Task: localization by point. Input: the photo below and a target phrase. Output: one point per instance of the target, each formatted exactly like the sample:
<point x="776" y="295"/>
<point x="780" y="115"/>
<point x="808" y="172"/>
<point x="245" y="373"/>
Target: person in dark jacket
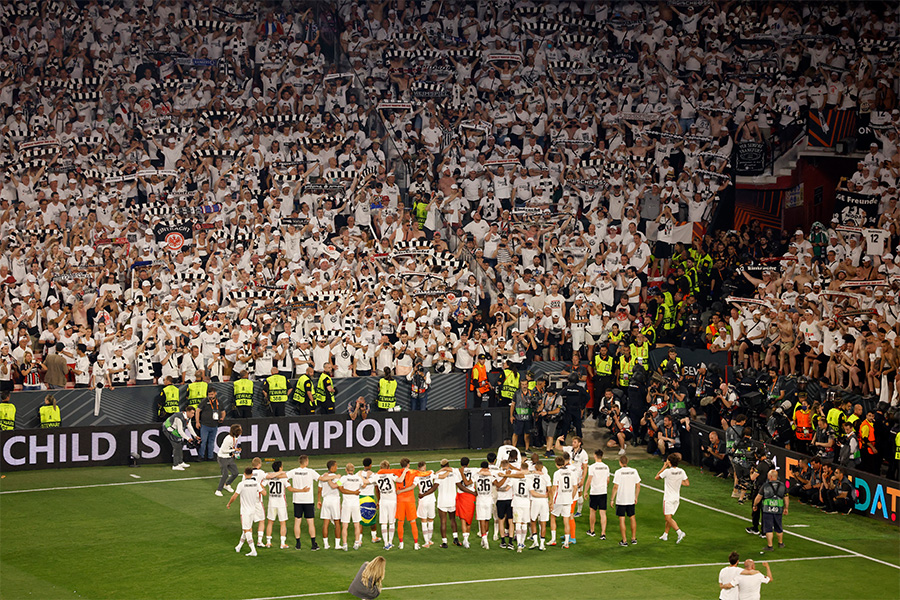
<point x="367" y="583"/>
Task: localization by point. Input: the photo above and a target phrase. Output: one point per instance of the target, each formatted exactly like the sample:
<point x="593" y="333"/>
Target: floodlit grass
<point x="175" y="539"/>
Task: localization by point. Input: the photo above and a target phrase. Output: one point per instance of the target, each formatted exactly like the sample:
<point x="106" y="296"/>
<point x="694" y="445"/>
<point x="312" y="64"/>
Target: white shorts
<point x="387" y="511"/>
<point x="540" y="510"/>
<point x="350" y="511"/>
<point x="331" y="509"/>
<point x="259" y="513"/>
<point x="277" y="510"/>
<point x="562" y="510"/>
<point x="247" y="521"/>
<point x="484" y="508"/>
<point x="447" y="508"/>
<point x="521" y="511"/>
<point x="670" y="506"/>
<point x="425" y="509"/>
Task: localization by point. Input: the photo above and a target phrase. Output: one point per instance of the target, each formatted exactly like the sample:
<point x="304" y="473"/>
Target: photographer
<point x="178" y="430"/>
<point x="714" y="457"/>
<point x="419" y="381"/>
<point x="651" y="424"/>
<point x="838" y="494"/>
<point x="759" y="474"/>
<point x="358" y="409"/>
<point x="549" y="412"/>
<point x="621" y="428"/>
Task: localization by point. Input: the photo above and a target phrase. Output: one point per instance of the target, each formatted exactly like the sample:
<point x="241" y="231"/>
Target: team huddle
<point x="517" y="493"/>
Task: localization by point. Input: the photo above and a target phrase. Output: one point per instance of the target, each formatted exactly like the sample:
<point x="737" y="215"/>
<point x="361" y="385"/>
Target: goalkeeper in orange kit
<point x="406" y="499"/>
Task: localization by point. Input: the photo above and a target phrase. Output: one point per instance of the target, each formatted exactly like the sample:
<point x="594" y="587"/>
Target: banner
<point x="879" y="498"/>
<point x="750" y="158"/>
<point x="824" y="130"/>
<point x="174" y="236"/>
<point x="855" y="209"/>
<point x="331" y="434"/>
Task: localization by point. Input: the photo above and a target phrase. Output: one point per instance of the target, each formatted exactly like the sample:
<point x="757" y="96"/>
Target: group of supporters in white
<point x="517" y="493"/>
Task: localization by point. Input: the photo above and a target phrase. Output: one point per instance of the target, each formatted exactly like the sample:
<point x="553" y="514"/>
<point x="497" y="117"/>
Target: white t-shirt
<point x="521" y="492"/>
<point x="329" y="493"/>
<point x="673" y="476"/>
<point x="627" y="479"/>
<point x="727" y="575"/>
<point x="748" y="585"/>
<point x="484" y="485"/>
<point x="564" y="480"/>
<point x="303" y="477"/>
<point x="447" y="490"/>
<point x="277" y="488"/>
<point x="387" y="485"/>
<point x="599" y="474"/>
<point x="248" y="490"/>
<point x="425" y="483"/>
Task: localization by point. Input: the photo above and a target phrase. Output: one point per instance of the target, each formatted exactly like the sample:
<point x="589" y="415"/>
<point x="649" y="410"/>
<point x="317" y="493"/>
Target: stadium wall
<point x="321" y="434"/>
<point x="879" y="498"/>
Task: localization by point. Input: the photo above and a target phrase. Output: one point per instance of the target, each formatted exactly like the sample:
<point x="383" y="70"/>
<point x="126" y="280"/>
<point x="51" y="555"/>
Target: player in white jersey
<point x="426" y="505"/>
<point x="509" y="452"/>
<point x="596" y="485"/>
<point x="368" y="489"/>
<point x="484" y="486"/>
<point x="564" y="486"/>
<point x="674" y="477"/>
<point x="260" y="476"/>
<point x="494" y="466"/>
<point x="521" y="505"/>
<point x="277" y="482"/>
<point x="386" y="496"/>
<point x="539" y="484"/>
<point x="330" y="503"/>
<point x="626" y="489"/>
<point x="248" y="490"/>
<point x="351" y="483"/>
<point x="578" y="461"/>
<point x="504" y="502"/>
<point x="447" y="480"/>
<point x="302" y="480"/>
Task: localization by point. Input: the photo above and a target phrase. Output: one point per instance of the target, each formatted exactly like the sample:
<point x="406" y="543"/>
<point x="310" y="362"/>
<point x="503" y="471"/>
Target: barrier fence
<point x="325" y="434"/>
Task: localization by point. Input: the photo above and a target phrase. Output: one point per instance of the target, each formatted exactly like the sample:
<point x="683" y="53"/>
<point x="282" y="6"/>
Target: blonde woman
<point x="367" y="583"/>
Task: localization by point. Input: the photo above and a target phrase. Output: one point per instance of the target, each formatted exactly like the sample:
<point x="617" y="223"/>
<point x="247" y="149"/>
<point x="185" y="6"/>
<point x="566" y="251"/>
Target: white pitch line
<point x="793" y="533"/>
<point x="96" y="485"/>
<point x="554" y="575"/>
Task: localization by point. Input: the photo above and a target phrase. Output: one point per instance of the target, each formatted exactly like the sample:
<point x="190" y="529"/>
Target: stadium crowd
<point x="198" y="191"/>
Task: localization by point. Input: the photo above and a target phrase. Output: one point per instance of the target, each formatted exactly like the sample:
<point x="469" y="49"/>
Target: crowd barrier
<point x="279" y="437"/>
<point x="878" y="497"/>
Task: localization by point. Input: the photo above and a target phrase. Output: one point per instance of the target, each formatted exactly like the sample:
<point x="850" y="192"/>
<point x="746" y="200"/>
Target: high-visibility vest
<point x="804" y="425"/>
<point x="421" y="212"/>
<point x="834" y="419"/>
<point x="852" y="419"/>
<point x="671" y="365"/>
<point x="641" y="354"/>
<point x="510" y="384"/>
<point x="243" y="392"/>
<point x="615" y="338"/>
<point x="387" y="394"/>
<point x="7" y="416"/>
<point x="171" y="394"/>
<point x="196" y="392"/>
<point x="897" y="446"/>
<point x="603" y="367"/>
<point x="277" y="388"/>
<point x="626" y="367"/>
<point x="49" y="416"/>
<point x="649" y="332"/>
<point x="479" y="379"/>
<point x="321" y="393"/>
<point x="867" y="434"/>
<point x="300" y="396"/>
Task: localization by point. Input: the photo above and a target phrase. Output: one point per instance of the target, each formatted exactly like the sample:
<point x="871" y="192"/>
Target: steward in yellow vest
<point x="197" y="390"/>
<point x="7" y="413"/>
<point x="49" y="413"/>
<point x="304" y="394"/>
<point x="509" y="383"/>
<point x="169" y="400"/>
<point x="276" y="392"/>
<point x="325" y="391"/>
<point x="387" y="392"/>
<point x="243" y="397"/>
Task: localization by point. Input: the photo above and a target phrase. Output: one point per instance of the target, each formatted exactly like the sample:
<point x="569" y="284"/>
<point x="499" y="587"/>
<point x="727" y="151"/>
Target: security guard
<point x="895" y="467"/>
<point x="575" y="399"/>
<point x="304" y="394"/>
<point x="672" y="364"/>
<point x="649" y="332"/>
<point x="325" y="391"/>
<point x="7" y="412"/>
<point x="197" y="390"/>
<point x="479" y="384"/>
<point x="276" y="392"/>
<point x="603" y="365"/>
<point x="626" y="366"/>
<point x="49" y="413"/>
<point x="243" y="397"/>
<point x="837" y="415"/>
<point x="640" y="349"/>
<point x="509" y="379"/>
<point x="169" y="401"/>
<point x="420" y="209"/>
<point x="387" y="391"/>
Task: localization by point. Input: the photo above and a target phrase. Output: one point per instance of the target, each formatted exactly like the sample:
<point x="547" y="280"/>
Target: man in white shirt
<point x="749" y="581"/>
<point x="386" y="497"/>
<point x="427" y="502"/>
<point x="565" y="482"/>
<point x="447" y="480"/>
<point x="248" y="490"/>
<point x="277" y="483"/>
<point x="351" y="484"/>
<point x="626" y="489"/>
<point x="330" y="503"/>
<point x="301" y="484"/>
<point x="674" y="477"/>
<point x="596" y="485"/>
<point x="727" y="575"/>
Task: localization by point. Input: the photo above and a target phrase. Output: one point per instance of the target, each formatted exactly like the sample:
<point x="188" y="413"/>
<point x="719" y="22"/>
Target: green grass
<point x="175" y="539"/>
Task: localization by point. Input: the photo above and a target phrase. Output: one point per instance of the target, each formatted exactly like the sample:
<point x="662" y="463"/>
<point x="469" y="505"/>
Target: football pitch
<point x="149" y="532"/>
